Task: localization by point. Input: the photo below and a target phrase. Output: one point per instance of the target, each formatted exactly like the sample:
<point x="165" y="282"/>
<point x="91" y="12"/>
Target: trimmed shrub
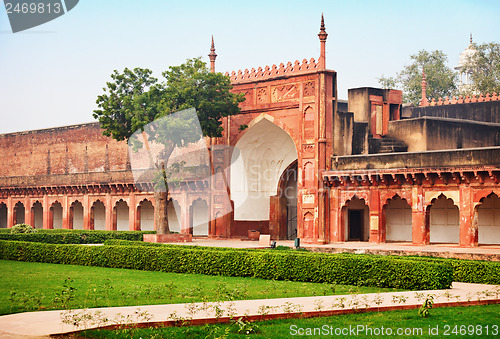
<point x="469" y="271"/>
<point x="349" y="269"/>
<point x="120" y="242"/>
<point x="72" y="236"/>
<point x="22" y="228"/>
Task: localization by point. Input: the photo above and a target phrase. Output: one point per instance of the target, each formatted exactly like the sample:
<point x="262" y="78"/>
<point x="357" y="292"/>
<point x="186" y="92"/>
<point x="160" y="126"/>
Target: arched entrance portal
<point x="146" y="215"/>
<point x="489" y="220"/>
<point x="98" y="216"/>
<point x="120" y="216"/>
<point x="356" y="217"/>
<point x="199" y="217"/>
<point x="56" y="215"/>
<point x="37" y="214"/>
<point x="265" y="152"/>
<point x="283" y="210"/>
<point x="398" y="221"/>
<point x="19" y="213"/>
<point x="173" y="214"/>
<point x="444" y="222"/>
<point x="76" y="215"/>
<point x="3" y="215"/>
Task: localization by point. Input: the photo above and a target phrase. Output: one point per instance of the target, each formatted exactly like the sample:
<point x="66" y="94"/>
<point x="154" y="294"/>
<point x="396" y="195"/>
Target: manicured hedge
<point x="72" y="236"/>
<point x="348" y="269"/>
<point x="120" y="242"/>
<point x="469" y="271"/>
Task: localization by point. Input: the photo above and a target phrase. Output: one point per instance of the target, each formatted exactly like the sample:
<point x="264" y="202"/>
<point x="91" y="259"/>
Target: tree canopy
<point x="484" y="68"/>
<point x="440" y="78"/>
<point x="134" y="99"/>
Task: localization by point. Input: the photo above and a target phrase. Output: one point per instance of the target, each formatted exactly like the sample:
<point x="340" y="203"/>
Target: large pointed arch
<point x="443" y="220"/>
<point x="265" y="151"/>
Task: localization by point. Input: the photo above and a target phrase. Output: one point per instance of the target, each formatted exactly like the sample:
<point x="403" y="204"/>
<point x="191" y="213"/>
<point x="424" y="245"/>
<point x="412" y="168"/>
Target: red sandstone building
<point x="311" y="167"/>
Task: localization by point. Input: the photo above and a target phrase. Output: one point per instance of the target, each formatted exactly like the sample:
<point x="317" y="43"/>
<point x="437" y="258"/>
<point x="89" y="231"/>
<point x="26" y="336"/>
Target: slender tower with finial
<point x="212" y="56"/>
<point x="322" y="38"/>
<point x="424" y="102"/>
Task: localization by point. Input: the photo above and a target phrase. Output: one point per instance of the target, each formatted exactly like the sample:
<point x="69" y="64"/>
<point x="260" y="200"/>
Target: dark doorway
<point x="355" y="220"/>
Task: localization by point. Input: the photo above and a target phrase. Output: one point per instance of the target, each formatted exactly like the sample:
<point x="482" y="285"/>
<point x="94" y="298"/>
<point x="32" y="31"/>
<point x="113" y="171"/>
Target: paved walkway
<point x="483" y="252"/>
<point x="45" y="323"/>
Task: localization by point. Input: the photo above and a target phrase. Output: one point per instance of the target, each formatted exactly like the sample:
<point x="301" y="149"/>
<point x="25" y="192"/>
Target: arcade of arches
<point x="372" y="207"/>
<point x="99" y="213"/>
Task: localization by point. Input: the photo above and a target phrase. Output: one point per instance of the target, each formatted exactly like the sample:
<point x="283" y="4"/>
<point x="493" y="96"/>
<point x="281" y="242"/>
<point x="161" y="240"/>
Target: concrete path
<point x="45" y="323"/>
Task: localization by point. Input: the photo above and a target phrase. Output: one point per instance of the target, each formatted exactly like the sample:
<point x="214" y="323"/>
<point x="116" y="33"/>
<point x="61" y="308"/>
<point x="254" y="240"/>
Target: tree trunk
<point x="161" y="217"/>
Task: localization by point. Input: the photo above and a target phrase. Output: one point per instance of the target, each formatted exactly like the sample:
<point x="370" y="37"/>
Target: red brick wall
<point x="69" y="149"/>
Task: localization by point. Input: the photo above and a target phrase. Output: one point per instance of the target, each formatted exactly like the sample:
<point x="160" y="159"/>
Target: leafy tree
<point x="440" y="78"/>
<point x="134" y="98"/>
<point x="484" y="66"/>
<point x="387" y="82"/>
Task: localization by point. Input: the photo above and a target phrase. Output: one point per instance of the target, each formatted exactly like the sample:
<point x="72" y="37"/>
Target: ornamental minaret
<point x="424" y="102"/>
<point x="322" y="38"/>
<point x="212" y="56"/>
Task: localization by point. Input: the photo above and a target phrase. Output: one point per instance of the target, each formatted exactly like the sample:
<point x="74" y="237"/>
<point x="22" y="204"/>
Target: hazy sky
<point x="52" y="74"/>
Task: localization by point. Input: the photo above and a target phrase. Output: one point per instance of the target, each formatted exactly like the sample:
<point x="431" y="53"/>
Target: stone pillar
<point x="27" y="211"/>
<point x="153" y="201"/>
<point x="185" y="218"/>
<point x="10" y="212"/>
<point x="420" y="229"/>
<point x="468" y="218"/>
<point x="110" y="217"/>
<point x="132" y="220"/>
<point x="335" y="225"/>
<point x="86" y="212"/>
<point x="65" y="214"/>
<point x="138" y="224"/>
<point x="46" y="212"/>
<point x="51" y="218"/>
<point x="322" y="216"/>
<point x="374" y="205"/>
<point x="71" y="217"/>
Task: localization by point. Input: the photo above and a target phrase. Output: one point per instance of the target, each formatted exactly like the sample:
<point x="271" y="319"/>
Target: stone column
<point x="10" y="212"/>
<point x="86" y="212"/>
<point x="335" y="225"/>
<point x="185" y="214"/>
<point x="46" y="212"/>
<point x="27" y="211"/>
<point x="65" y="214"/>
<point x="420" y="229"/>
<point x="110" y="217"/>
<point x="132" y="220"/>
<point x="468" y="218"/>
<point x="138" y="224"/>
<point x="375" y="213"/>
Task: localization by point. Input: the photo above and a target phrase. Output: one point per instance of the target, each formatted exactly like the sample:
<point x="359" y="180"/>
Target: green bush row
<point x="347" y="269"/>
<point x="73" y="236"/>
<point x="470" y="271"/>
<point x="120" y="242"/>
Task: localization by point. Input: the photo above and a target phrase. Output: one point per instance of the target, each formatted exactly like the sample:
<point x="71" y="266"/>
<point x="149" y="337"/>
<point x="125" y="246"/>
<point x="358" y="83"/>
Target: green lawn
<point x="452" y="322"/>
<point x="28" y="286"/>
